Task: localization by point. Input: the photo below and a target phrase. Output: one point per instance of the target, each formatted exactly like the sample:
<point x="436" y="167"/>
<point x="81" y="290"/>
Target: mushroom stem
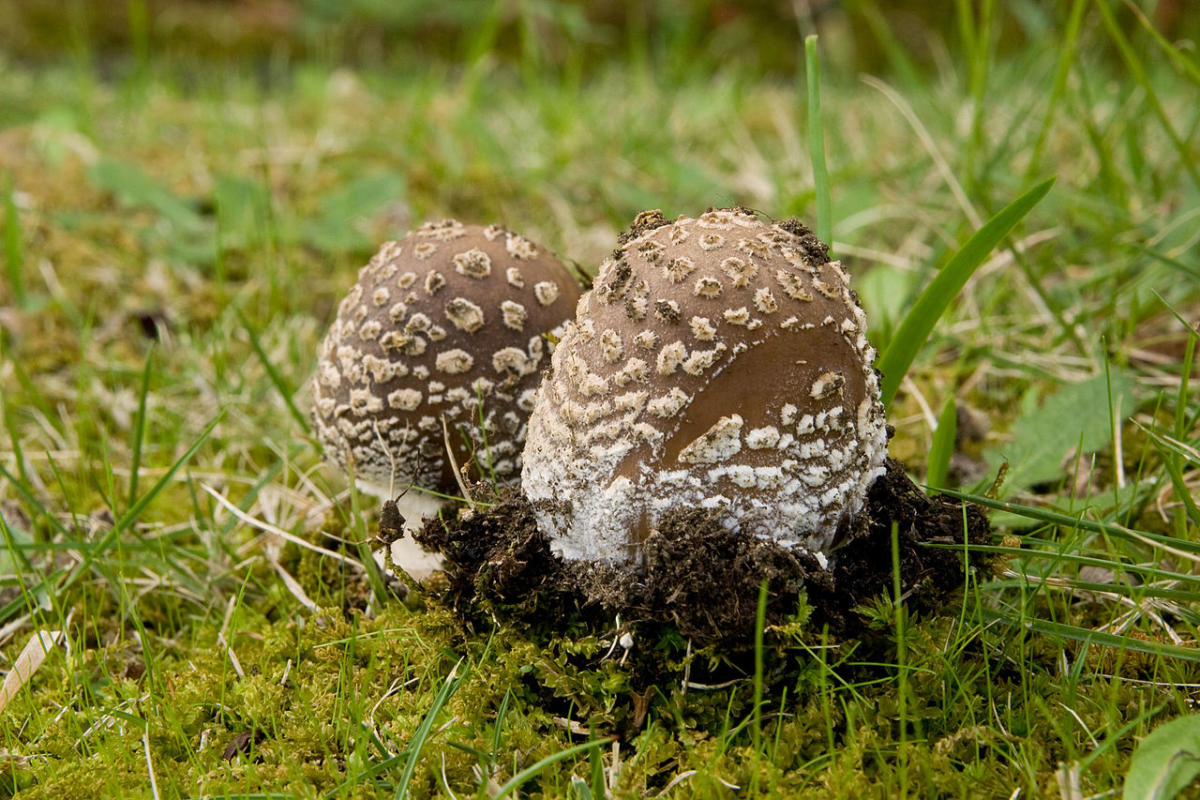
<point x="409" y="556"/>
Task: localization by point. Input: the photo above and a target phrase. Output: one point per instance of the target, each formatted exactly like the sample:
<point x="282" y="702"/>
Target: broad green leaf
<point x="1075" y="416"/>
<point x="918" y="324"/>
<point x="1165" y="762"/>
<point x="341" y="225"/>
<point x="135" y="188"/>
<point x="188" y="236"/>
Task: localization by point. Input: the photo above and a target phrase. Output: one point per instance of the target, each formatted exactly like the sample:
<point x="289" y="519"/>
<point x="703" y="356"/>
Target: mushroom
<point x="442" y="333"/>
<point x="718" y="363"/>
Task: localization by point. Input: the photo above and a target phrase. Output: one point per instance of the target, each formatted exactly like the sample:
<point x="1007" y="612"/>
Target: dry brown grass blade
<point x="39" y="646"/>
<point x="269" y="528"/>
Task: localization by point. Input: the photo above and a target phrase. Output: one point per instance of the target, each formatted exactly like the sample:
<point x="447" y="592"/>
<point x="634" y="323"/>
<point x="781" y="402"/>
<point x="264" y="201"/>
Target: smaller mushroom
<point x="433" y="361"/>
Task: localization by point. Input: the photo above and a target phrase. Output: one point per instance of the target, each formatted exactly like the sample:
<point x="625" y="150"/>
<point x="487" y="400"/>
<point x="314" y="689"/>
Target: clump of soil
<point x="704" y="579"/>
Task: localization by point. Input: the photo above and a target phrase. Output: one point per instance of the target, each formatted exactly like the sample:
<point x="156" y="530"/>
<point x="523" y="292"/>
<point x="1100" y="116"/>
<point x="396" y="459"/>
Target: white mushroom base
<point x="603" y="516"/>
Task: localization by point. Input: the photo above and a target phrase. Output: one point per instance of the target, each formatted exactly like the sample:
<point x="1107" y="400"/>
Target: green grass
<point x="179" y="224"/>
<point x="816" y="143"/>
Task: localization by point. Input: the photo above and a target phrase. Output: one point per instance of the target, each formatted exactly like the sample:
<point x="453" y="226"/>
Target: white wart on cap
<point x="719" y="362"/>
<point x="446" y="323"/>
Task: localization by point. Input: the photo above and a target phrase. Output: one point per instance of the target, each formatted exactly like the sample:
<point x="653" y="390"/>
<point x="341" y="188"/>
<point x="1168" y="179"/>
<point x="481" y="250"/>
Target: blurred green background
<point x="561" y="35"/>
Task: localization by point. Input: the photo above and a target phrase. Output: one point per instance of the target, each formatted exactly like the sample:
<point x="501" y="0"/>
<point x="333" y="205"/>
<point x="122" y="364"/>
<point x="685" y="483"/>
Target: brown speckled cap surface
<point x="450" y="316"/>
<point x="719" y="362"/>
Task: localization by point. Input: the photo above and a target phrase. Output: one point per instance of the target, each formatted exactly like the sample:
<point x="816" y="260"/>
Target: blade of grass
<point x="1071" y="522"/>
<point x="901" y="666"/>
<point x="362" y="544"/>
<point x="942" y="447"/>
<point x="475" y="751"/>
<point x="1085" y="110"/>
<point x="139" y="427"/>
<point x="760" y="624"/>
<point x="898" y="59"/>
<point x="1190" y="271"/>
<point x="531" y="60"/>
<point x="1119" y="734"/>
<point x="33" y="503"/>
<point x="13" y="255"/>
<point x="127" y="519"/>
<point x="480" y="47"/>
<point x="927" y="141"/>
<point x="1181" y="400"/>
<point x="276" y="379"/>
<point x="1114" y="424"/>
<point x="1173" y="448"/>
<point x="1056" y="558"/>
<point x="15" y="440"/>
<point x="501" y="713"/>
<point x="1181" y="62"/>
<point x="449" y="687"/>
<point x="598" y="789"/>
<point x="1171" y="445"/>
<point x="1139" y="75"/>
<point x="139" y="36"/>
<point x="976" y="33"/>
<point x="816" y="142"/>
<point x="1137" y="593"/>
<point x="824" y="687"/>
<point x="516" y="781"/>
<point x="33" y="395"/>
<point x="20" y="565"/>
<point x="580" y="787"/>
<point x="916" y="326"/>
<point x="130" y="516"/>
<point x="1173" y="454"/>
<point x="1062" y="72"/>
<point x="1189" y="327"/>
<point x="1077" y="634"/>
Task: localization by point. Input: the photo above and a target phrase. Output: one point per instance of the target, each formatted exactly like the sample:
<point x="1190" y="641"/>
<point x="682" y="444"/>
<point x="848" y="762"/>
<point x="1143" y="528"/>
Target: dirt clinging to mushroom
<point x="702" y="578"/>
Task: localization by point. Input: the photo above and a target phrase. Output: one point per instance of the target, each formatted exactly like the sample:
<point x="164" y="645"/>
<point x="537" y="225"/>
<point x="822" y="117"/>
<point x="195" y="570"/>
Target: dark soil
<point x="703" y="579"/>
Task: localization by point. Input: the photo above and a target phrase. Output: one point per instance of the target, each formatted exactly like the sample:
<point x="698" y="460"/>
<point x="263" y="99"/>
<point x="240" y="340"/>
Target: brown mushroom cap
<point x="442" y="323"/>
<point x="718" y="362"/>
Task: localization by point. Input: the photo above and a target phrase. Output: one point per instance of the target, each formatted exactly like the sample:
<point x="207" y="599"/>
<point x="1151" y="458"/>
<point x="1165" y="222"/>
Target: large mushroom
<point x="442" y="334"/>
<point x="718" y="363"/>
